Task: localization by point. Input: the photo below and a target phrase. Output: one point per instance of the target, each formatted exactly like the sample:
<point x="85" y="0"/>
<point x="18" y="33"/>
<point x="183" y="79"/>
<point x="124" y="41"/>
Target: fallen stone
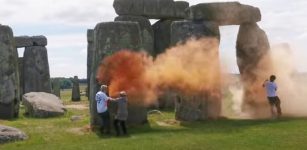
<point x="23" y="41"/>
<point x="224" y="13"/>
<point x="10" y="134"/>
<point x="146" y="29"/>
<point x="9" y="75"/>
<point x="43" y="105"/>
<point x="184" y="30"/>
<point x="36" y="70"/>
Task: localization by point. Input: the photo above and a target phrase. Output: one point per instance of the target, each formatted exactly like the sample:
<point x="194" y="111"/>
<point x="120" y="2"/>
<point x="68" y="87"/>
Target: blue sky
<point x="64" y="23"/>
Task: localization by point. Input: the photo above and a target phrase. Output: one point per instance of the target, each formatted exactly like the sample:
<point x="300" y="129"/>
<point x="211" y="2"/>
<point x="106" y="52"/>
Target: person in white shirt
<point x="273" y="99"/>
<point x="102" y="109"/>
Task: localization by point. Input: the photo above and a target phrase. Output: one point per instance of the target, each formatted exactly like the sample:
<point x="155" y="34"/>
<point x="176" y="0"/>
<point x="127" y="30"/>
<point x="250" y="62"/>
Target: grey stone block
<point x="9" y="75"/>
<point x="90" y="35"/>
<point x="10" y="134"/>
<point x="224" y="13"/>
<point x="110" y="37"/>
<point x="146" y="30"/>
<point x="23" y="41"/>
<point x="162" y="34"/>
<point x="36" y="70"/>
<point x="39" y="40"/>
<point x="129" y="7"/>
<point x="184" y="30"/>
<point x="180" y="7"/>
<point x="75" y="96"/>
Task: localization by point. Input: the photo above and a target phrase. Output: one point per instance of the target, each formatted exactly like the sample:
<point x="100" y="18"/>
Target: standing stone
<point x="75" y="89"/>
<point x="90" y="55"/>
<point x="110" y="37"/>
<point x="205" y="104"/>
<point x="36" y="70"/>
<point x="9" y="75"/>
<point x="162" y="35"/>
<point x="146" y="29"/>
<point x="224" y="13"/>
<point x="56" y="87"/>
<point x="20" y="65"/>
<point x="255" y="66"/>
<point x="184" y="30"/>
<point x="159" y="9"/>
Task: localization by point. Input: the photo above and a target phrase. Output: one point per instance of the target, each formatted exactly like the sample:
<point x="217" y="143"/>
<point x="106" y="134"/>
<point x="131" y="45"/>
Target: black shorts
<point x="274" y="100"/>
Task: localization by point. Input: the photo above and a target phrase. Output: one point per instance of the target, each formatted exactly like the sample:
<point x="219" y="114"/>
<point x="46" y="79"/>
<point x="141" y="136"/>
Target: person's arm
<point x="264" y="83"/>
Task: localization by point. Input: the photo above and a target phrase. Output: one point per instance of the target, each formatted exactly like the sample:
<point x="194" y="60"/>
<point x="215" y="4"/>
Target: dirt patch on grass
<point x="77" y="106"/>
<point x="168" y="123"/>
<point x="80" y="131"/>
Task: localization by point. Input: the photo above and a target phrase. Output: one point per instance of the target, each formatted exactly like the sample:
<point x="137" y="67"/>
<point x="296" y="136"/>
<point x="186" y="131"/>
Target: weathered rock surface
<point x="56" y="87"/>
<point x="23" y="41"/>
<point x="224" y="13"/>
<point x="20" y="64"/>
<point x="162" y="32"/>
<point x="151" y="9"/>
<point x="75" y="96"/>
<point x="10" y="134"/>
<point x="254" y="65"/>
<point x="110" y="37"/>
<point x="195" y="107"/>
<point x="184" y="30"/>
<point x="146" y="29"/>
<point x="36" y="70"/>
<point x="9" y="75"/>
<point x="26" y="41"/>
<point x="39" y="40"/>
<point x="90" y="55"/>
<point x="43" y="105"/>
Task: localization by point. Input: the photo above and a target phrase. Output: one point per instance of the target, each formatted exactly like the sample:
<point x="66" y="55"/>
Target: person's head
<point x="272" y="78"/>
<point x="103" y="88"/>
<point x="122" y="94"/>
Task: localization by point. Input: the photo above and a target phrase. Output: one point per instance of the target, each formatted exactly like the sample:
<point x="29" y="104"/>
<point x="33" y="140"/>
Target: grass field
<point x="162" y="132"/>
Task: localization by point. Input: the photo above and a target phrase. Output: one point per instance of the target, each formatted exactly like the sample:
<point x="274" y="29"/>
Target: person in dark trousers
<point x="102" y="109"/>
<point x="273" y="99"/>
<point x="121" y="114"/>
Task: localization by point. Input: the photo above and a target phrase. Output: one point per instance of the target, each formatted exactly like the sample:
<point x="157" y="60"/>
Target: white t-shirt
<point x="271" y="88"/>
<point x="102" y="100"/>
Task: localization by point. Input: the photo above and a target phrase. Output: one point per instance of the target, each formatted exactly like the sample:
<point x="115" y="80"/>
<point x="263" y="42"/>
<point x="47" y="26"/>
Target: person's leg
<point x="106" y="122"/>
<point x="278" y="106"/>
<point x="123" y="125"/>
<point x="271" y="102"/>
<point x="102" y="123"/>
<point x="116" y="127"/>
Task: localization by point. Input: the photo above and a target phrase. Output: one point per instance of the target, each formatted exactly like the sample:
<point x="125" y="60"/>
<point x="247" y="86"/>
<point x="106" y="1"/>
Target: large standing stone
<point x="23" y="41"/>
<point x="36" y="70"/>
<point x="147" y="31"/>
<point x="255" y="66"/>
<point x="225" y="13"/>
<point x="56" y="87"/>
<point x="43" y="105"/>
<point x="110" y="37"/>
<point x="184" y="30"/>
<point x="20" y="65"/>
<point x="162" y="34"/>
<point x="90" y="55"/>
<point x="10" y="134"/>
<point x="9" y="75"/>
<point x="151" y="9"/>
<point x="75" y="96"/>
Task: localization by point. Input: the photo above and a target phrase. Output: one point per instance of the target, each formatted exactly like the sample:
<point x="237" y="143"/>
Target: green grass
<point x="162" y="132"/>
